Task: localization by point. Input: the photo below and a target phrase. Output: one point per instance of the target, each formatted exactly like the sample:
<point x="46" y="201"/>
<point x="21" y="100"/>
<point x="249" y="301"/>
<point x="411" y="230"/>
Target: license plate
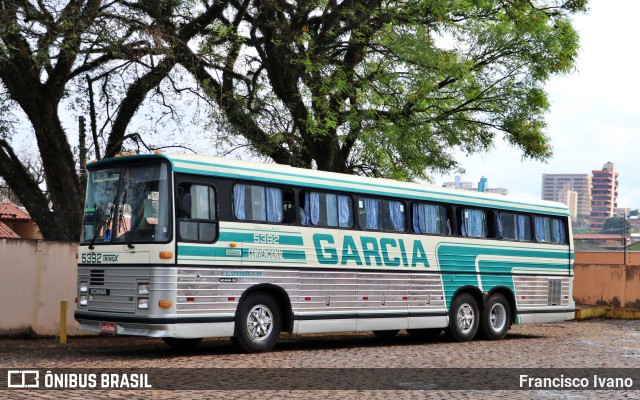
<point x="107" y="327"/>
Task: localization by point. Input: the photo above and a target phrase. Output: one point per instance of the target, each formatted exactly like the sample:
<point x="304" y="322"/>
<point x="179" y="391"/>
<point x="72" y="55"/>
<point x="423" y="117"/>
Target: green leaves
<point x="394" y="88"/>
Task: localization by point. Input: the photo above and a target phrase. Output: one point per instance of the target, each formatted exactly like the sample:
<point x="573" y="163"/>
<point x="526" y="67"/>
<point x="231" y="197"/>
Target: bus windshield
<point x="127" y="205"/>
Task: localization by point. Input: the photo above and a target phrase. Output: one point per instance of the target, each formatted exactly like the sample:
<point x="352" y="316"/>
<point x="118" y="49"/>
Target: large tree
<point x="48" y="49"/>
<point x="387" y="88"/>
<point x="382" y="88"/>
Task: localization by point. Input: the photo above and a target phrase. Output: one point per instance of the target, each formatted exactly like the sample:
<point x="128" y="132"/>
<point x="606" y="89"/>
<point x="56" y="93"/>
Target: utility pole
<point x="83" y="152"/>
<point x="624" y="236"/>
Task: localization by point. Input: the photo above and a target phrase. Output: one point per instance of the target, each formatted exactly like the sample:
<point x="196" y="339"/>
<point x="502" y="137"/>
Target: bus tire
<point x="258" y="323"/>
<point x="386" y="334"/>
<point x="464" y="317"/>
<point x="496" y="317"/>
<point x="182" y="344"/>
<point x="425" y="333"/>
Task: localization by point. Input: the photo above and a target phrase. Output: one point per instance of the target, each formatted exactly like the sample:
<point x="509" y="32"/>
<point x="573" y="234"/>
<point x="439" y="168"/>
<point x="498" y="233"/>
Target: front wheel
<point x="496" y="317"/>
<point x="464" y="317"/>
<point x="258" y="323"/>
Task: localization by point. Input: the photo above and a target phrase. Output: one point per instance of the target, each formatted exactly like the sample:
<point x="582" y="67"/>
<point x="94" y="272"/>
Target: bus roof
<point x="286" y="175"/>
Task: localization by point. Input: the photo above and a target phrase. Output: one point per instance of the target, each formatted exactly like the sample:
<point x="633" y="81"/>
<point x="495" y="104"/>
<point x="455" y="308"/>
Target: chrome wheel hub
<point x="498" y="317"/>
<point x="260" y="322"/>
<point x="465" y="318"/>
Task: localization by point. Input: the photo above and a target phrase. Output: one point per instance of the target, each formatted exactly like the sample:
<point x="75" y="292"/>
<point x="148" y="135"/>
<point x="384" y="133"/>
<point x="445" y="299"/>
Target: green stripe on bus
<point x="463" y="258"/>
<point x="244" y="254"/>
<point x="250" y="238"/>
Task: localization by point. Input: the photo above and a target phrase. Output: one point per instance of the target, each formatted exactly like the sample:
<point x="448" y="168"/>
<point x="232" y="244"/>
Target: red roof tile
<point x="9" y="211"/>
<point x="7" y="233"/>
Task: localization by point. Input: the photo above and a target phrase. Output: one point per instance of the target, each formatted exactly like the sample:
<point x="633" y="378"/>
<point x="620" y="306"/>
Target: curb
<point x="607" y="312"/>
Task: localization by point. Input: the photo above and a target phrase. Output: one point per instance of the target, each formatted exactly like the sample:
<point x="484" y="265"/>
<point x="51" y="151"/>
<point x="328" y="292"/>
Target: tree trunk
<point x="62" y="181"/>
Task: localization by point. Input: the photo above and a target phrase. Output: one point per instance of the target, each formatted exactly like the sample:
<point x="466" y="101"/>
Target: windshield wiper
<point x="106" y="218"/>
<point x="121" y="221"/>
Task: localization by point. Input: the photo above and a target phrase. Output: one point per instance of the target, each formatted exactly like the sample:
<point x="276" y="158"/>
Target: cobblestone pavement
<point x="585" y="344"/>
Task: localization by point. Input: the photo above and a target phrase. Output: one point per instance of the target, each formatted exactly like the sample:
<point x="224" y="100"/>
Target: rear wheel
<point x="182" y="344"/>
<point x="258" y="323"/>
<point x="464" y="317"/>
<point x="386" y="334"/>
<point x="496" y="317"/>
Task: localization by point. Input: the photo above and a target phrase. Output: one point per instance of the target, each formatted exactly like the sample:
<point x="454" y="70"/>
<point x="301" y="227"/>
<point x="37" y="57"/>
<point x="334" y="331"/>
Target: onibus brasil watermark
<point x="31" y="379"/>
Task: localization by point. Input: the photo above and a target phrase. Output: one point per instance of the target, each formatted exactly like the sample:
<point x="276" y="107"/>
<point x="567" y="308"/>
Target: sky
<point x="594" y="116"/>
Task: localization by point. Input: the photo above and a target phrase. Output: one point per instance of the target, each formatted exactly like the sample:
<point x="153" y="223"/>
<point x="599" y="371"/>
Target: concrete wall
<point x="604" y="278"/>
<point x="34" y="277"/>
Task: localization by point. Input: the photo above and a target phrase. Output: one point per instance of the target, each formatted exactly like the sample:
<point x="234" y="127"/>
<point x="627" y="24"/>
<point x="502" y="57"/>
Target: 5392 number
<point x="264" y="238"/>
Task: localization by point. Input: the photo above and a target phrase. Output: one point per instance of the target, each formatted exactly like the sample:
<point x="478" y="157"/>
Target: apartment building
<point x="557" y="187"/>
<point x="604" y="195"/>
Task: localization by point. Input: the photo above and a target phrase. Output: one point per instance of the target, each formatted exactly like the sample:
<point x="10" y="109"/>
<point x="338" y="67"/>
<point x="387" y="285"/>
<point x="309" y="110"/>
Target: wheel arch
<point x="473" y="291"/>
<point x="511" y="298"/>
<point x="281" y="297"/>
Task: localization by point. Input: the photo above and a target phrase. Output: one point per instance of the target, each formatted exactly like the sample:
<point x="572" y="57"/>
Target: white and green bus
<point x="183" y="247"/>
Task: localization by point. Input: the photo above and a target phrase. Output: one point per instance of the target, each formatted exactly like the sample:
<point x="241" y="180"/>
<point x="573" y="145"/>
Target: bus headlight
<point x="84" y="288"/>
<point x="143" y="288"/>
<point x="83" y="300"/>
<point x="143" y="304"/>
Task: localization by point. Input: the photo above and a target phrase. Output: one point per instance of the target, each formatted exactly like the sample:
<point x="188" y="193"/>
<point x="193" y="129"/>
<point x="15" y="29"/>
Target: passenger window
<point x="431" y="219"/>
<point x="550" y="230"/>
<point x="380" y="214"/>
<point x="326" y="209"/>
<point x="514" y="226"/>
<point x="262" y="204"/>
<point x="474" y="223"/>
<point x="197" y="220"/>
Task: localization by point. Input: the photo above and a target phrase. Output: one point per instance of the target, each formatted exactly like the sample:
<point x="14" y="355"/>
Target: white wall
<point x="35" y="276"/>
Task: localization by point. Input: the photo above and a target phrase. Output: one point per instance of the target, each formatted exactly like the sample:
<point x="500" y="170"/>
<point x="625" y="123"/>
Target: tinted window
<point x="550" y="230"/>
<point x="260" y="203"/>
<point x="514" y="226"/>
<point x="197" y="213"/>
<point x="380" y="214"/>
<point x="326" y="209"/>
<point x="431" y="219"/>
<point x="474" y="223"/>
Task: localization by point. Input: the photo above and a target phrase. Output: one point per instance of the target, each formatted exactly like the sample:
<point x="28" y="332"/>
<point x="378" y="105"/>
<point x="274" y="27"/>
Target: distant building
<point x="459" y="184"/>
<point x="6" y="194"/>
<point x="621" y="211"/>
<point x="604" y="195"/>
<point x="482" y="186"/>
<point x="569" y="197"/>
<point x="555" y="187"/>
<point x="16" y="223"/>
<point x="497" y="190"/>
